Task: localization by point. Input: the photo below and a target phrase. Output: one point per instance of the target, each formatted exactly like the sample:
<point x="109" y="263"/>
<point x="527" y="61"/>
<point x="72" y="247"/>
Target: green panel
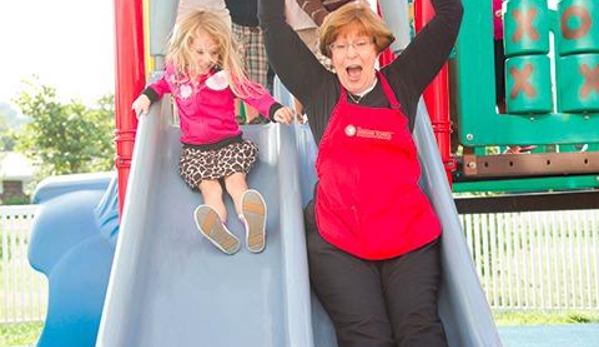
<point x="579" y="147"/>
<point x="242" y="116"/>
<point x="526" y="25"/>
<point x="529" y="184"/>
<point x="479" y="124"/>
<point x="528" y="85"/>
<point x="480" y="151"/>
<point x="570" y="148"/>
<point x="579" y="27"/>
<point x="593" y="147"/>
<point x="578" y="83"/>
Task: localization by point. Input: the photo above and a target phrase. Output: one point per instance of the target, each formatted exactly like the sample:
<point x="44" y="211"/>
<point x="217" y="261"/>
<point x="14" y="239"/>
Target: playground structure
<point x="560" y="123"/>
<point x="166" y="285"/>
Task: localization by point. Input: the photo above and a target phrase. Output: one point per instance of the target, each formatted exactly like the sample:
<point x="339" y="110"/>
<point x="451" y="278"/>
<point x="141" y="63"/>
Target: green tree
<point x="68" y="137"/>
<point x="10" y="124"/>
<point x="6" y="135"/>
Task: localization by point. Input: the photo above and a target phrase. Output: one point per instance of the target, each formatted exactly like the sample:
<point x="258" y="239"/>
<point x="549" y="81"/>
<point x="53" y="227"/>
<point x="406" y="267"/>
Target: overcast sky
<point x="68" y="43"/>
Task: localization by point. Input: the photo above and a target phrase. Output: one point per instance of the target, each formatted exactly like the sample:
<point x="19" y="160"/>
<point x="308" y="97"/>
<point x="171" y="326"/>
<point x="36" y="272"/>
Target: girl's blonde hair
<point x="181" y="55"/>
<point x="354" y="15"/>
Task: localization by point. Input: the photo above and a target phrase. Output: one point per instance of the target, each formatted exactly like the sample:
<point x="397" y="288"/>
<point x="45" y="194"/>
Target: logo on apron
<point x="350" y="130"/>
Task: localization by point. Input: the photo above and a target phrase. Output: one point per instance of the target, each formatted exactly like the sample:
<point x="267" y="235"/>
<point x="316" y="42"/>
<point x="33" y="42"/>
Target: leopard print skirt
<point x="196" y="164"/>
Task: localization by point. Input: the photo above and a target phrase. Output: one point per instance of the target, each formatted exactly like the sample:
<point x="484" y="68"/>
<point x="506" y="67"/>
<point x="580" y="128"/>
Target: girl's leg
<point x="411" y="286"/>
<point x="212" y="192"/>
<point x="211" y="215"/>
<point x="251" y="209"/>
<point x="236" y="185"/>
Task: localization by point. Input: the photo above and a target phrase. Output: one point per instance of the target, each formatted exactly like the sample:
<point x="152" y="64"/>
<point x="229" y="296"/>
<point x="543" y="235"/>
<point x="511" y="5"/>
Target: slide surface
<point x="170" y="287"/>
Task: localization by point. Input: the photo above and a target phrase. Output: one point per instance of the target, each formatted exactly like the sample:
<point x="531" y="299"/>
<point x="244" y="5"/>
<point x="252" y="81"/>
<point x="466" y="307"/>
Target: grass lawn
<point x="20" y="334"/>
<point x="503" y="318"/>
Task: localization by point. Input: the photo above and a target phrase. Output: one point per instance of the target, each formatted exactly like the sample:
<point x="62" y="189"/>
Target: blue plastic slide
<point x="72" y="243"/>
<point x="170" y="287"/>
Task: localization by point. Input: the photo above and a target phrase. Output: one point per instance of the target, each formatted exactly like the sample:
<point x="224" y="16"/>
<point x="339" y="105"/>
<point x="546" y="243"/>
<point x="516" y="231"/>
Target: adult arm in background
<point x="291" y="59"/>
<point x="217" y="6"/>
<point x="314" y="9"/>
<point x="422" y="59"/>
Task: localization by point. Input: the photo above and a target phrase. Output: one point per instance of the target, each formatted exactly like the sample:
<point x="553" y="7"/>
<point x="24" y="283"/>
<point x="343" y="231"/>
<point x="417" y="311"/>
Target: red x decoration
<point x="524" y="25"/>
<point x="521" y="81"/>
<point x="591" y="80"/>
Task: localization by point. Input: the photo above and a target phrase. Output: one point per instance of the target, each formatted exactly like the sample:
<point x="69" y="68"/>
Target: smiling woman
<point x="353" y="37"/>
<point x="69" y="44"/>
<point x="371" y="232"/>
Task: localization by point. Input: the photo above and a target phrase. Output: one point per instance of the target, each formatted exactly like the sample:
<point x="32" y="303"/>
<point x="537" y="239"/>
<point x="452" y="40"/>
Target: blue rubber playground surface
<point x="572" y="335"/>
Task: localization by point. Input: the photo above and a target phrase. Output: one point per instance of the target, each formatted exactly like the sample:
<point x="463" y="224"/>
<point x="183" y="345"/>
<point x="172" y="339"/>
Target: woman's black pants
<point x="387" y="303"/>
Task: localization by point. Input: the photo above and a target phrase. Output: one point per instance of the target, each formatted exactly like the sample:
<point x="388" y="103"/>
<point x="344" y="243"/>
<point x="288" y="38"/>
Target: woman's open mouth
<point x="354" y="72"/>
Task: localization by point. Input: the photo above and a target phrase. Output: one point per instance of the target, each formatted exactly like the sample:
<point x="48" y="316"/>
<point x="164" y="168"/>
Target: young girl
<point x="204" y="75"/>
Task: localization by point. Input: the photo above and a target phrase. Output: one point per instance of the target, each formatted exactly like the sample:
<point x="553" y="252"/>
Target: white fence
<point x="537" y="260"/>
<point x="23" y="291"/>
<point x="530" y="260"/>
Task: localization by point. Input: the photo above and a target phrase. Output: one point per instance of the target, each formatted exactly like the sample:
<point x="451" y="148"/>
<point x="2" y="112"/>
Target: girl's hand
<point x="141" y="105"/>
<point x="302" y="119"/>
<point x="284" y="115"/>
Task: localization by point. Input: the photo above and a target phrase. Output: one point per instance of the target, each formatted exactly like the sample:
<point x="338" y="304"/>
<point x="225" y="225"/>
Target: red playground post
<point x="436" y="95"/>
<point x="130" y="80"/>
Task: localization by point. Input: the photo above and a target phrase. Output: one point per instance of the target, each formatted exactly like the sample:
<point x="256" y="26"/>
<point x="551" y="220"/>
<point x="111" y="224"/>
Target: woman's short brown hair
<point x="359" y="15"/>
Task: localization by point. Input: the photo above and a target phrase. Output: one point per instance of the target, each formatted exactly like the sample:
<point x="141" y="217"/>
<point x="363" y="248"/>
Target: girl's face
<point x="205" y="51"/>
<point x="354" y="56"/>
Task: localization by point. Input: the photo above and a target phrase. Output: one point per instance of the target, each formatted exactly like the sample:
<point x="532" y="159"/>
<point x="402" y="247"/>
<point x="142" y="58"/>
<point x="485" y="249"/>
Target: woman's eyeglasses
<point x="358" y="46"/>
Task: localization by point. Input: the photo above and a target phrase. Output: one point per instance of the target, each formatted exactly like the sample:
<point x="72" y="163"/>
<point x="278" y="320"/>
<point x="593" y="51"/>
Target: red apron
<point x="368" y="202"/>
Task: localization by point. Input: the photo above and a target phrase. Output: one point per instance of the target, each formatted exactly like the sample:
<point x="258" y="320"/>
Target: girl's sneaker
<point x="253" y="216"/>
<point x="210" y="225"/>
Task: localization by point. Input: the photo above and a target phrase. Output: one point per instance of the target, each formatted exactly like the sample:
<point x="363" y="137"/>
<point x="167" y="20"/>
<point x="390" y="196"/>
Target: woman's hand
<point x="141" y="105"/>
<point x="284" y="115"/>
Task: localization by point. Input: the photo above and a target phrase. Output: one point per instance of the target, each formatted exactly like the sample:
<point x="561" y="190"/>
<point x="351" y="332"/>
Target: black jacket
<point x="319" y="90"/>
<point x="243" y="12"/>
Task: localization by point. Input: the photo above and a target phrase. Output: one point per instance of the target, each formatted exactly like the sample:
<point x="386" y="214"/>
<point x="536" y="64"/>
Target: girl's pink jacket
<point x="206" y="110"/>
<point x="497" y="20"/>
